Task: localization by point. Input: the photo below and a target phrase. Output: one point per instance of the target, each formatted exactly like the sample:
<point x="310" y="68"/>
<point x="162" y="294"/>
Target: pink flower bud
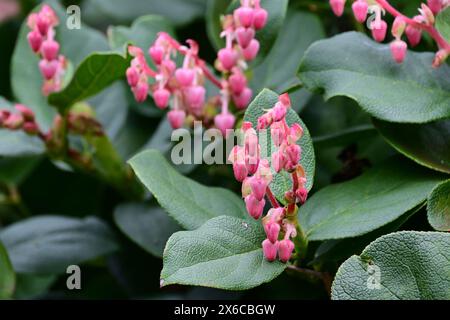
<point x="277" y="133"/>
<point x="224" y="122"/>
<point x="43" y="24"/>
<point x="195" y="96"/>
<point x="259" y="187"/>
<point x="244" y="36"/>
<point x="244" y="15"/>
<point x="398" y="50"/>
<point x="427" y="14"/>
<point x="228" y="58"/>
<point x="293" y="153"/>
<point x="278" y="112"/>
<point x="242" y="100"/>
<point x="240" y="171"/>
<point x="254" y="206"/>
<point x="14" y="121"/>
<point x="156" y="53"/>
<point x="270" y="250"/>
<point x="237" y="82"/>
<point x="285" y="249"/>
<point x="259" y="18"/>
<point x="337" y="6"/>
<point x="176" y="118"/>
<point x="184" y="76"/>
<point x="252" y="163"/>
<point x="48" y="68"/>
<point x="168" y="66"/>
<point x="251" y="51"/>
<point x="50" y="49"/>
<point x="132" y="76"/>
<point x="414" y="35"/>
<point x="35" y="40"/>
<point x="296" y="132"/>
<point x="278" y="161"/>
<point x="251" y="145"/>
<point x="26" y="112"/>
<point x="30" y="128"/>
<point x="435" y="5"/>
<point x="301" y="194"/>
<point x="272" y="230"/>
<point x="379" y="29"/>
<point x="440" y="58"/>
<point x="161" y="97"/>
<point x="398" y="27"/>
<point x="264" y="121"/>
<point x="359" y="8"/>
<point x="141" y="91"/>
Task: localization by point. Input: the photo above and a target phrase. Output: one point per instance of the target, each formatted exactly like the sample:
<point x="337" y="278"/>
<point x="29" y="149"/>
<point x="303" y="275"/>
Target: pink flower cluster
<point x="22" y="119"/>
<point x="413" y="28"/>
<point x="255" y="173"/>
<point x="183" y="88"/>
<point x="42" y="41"/>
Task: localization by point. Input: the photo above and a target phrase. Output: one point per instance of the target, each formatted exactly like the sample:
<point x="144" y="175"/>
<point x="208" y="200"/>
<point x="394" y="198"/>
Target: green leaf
<point x="409" y="266"/>
<point x="266" y="36"/>
<point x="49" y="244"/>
<point x="149" y="227"/>
<point x="278" y="70"/>
<point x="118" y="11"/>
<point x="266" y="99"/>
<point x="443" y="23"/>
<point x="26" y="79"/>
<point x="352" y="65"/>
<point x="95" y="73"/>
<point x="224" y="253"/>
<point x="31" y="286"/>
<point x="15" y="170"/>
<point x="142" y="33"/>
<point x="438" y="207"/>
<point x="358" y="206"/>
<point x="188" y="202"/>
<point x="427" y="144"/>
<point x="7" y="275"/>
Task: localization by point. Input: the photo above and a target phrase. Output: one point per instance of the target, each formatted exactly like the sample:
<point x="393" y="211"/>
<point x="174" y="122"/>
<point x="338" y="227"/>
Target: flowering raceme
<point x="412" y="28"/>
<point x="183" y="88"/>
<point x="42" y="41"/>
<point x="255" y="173"/>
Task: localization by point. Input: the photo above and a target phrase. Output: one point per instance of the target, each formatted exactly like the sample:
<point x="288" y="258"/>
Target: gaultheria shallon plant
<point x="255" y="173"/>
<point x="411" y="27"/>
<point x="42" y="41"/>
<point x="183" y="88"/>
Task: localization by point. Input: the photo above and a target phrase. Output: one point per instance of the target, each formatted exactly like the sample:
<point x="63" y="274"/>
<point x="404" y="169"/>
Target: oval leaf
<point x="438" y="207"/>
<point x="224" y="253"/>
<point x="95" y="73"/>
<point x="443" y="23"/>
<point x="352" y="65"/>
<point x="147" y="226"/>
<point x="7" y="275"/>
<point x="427" y="144"/>
<point x="187" y="201"/>
<point x="49" y="244"/>
<point x="266" y="99"/>
<point x="356" y="207"/>
<point x="400" y="266"/>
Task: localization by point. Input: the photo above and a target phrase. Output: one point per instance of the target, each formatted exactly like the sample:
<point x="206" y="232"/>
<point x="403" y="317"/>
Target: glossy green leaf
<point x="438" y="207"/>
<point x="356" y="207"/>
<point x="405" y="265"/>
<point x="95" y="73"/>
<point x="149" y="227"/>
<point x="266" y="99"/>
<point x="427" y="144"/>
<point x="266" y="36"/>
<point x="352" y="65"/>
<point x="49" y="244"/>
<point x="118" y="11"/>
<point x="223" y="253"/>
<point x="7" y="275"/>
<point x="188" y="202"/>
<point x="443" y="23"/>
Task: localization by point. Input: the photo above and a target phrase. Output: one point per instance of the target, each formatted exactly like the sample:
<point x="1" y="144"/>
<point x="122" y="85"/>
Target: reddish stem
<point x="442" y="43"/>
<point x="272" y="198"/>
<point x="294" y="181"/>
